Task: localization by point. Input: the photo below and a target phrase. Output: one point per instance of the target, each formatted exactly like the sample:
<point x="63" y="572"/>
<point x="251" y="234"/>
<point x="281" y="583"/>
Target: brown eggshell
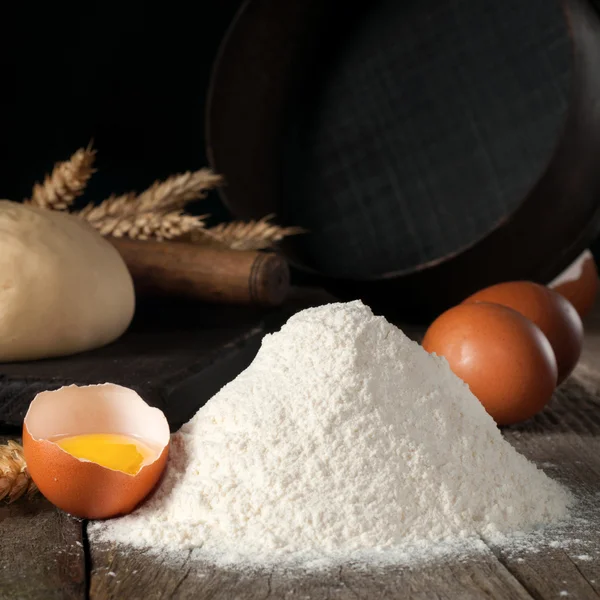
<point x="551" y="312"/>
<point x="579" y="283"/>
<point x="505" y="359"/>
<point x="83" y="488"/>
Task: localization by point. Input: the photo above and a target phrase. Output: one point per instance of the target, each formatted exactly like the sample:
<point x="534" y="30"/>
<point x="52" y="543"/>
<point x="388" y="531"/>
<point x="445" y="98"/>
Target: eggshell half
<point x="579" y="283"/>
<point x="79" y="487"/>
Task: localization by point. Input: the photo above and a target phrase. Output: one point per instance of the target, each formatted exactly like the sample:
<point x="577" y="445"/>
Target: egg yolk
<point x="110" y="450"/>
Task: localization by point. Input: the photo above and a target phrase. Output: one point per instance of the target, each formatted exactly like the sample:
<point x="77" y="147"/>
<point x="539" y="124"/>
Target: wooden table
<point x="45" y="554"/>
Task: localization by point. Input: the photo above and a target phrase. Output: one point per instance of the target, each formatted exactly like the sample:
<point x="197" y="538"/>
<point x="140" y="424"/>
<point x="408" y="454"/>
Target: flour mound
<point x="342" y="437"/>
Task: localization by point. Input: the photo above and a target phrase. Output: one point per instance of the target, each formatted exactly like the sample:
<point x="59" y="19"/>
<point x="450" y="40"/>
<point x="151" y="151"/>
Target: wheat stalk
<point x="178" y="190"/>
<point x="145" y="226"/>
<point x="14" y="477"/>
<point x="241" y="235"/>
<point x="66" y="182"/>
<point x="157" y="212"/>
<point x="161" y="197"/>
<point x="111" y="220"/>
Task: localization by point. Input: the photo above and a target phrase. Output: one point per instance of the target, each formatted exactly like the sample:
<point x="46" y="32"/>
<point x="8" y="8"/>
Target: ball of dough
<point x="63" y="288"/>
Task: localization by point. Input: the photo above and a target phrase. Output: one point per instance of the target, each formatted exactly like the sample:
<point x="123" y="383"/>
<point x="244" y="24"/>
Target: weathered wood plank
<point x="42" y="554"/>
<point x="152" y="353"/>
<point x="565" y="440"/>
<point x="567" y="562"/>
<point x="169" y="342"/>
<point x="118" y="573"/>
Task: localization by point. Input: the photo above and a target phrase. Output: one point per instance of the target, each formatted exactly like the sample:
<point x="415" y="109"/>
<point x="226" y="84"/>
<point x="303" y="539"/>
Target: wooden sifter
<point x="430" y="148"/>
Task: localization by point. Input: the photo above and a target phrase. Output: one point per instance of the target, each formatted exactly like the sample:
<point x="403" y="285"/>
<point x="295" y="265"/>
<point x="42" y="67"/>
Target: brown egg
<point x="504" y="358"/>
<point x="87" y="487"/>
<point x="550" y="311"/>
<point x="579" y="283"/>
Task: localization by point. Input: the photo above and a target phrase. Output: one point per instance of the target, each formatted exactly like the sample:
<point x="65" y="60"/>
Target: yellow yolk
<point x="111" y="450"/>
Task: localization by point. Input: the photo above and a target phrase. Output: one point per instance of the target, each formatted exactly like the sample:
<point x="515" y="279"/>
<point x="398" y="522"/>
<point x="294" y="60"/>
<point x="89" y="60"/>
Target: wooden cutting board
<point x="176" y="354"/>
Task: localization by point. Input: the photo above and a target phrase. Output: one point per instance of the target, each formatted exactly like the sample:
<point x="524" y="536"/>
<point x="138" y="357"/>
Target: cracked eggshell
<point x="579" y="283"/>
<point x="83" y="488"/>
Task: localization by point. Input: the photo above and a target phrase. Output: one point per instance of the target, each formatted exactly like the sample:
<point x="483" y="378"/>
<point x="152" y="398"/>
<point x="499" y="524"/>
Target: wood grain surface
<point x="169" y="344"/>
<point x="40" y="555"/>
<point x="166" y="343"/>
<point x="133" y="577"/>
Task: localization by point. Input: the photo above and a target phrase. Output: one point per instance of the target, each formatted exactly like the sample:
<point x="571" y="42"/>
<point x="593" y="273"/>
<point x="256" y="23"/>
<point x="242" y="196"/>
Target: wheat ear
<point x="14" y="477"/>
<point x="178" y="190"/>
<point x="66" y="182"/>
<point x="157" y="212"/>
<point x="241" y="235"/>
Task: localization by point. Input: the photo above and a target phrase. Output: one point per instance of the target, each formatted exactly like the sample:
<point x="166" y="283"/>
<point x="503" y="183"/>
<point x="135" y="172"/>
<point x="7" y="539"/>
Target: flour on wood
<point x="342" y="439"/>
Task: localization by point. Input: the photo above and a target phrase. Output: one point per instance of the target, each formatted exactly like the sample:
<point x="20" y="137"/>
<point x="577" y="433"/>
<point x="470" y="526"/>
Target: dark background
<point x="132" y="76"/>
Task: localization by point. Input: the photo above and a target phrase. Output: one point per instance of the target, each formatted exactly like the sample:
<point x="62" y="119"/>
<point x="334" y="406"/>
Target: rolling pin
<point x="203" y="273"/>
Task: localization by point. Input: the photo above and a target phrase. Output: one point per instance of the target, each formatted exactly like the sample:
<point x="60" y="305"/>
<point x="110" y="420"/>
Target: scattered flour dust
<point x="344" y="440"/>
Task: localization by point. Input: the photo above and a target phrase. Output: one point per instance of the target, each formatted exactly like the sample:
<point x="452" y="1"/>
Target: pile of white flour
<point x="343" y="437"/>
